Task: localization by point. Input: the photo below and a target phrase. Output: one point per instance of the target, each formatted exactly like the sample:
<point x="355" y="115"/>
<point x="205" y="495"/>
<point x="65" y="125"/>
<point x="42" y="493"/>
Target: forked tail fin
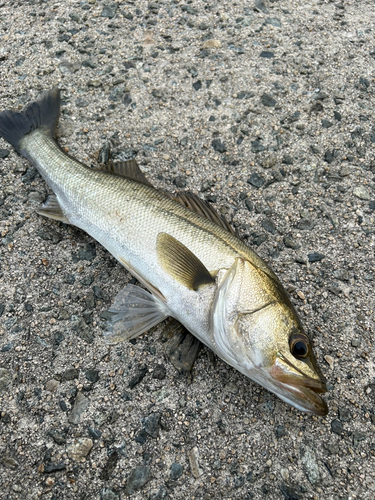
<point x="42" y="113"/>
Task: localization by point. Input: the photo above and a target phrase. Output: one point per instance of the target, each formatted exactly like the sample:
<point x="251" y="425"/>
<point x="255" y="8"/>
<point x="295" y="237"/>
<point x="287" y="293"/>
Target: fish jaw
<point x="297" y="389"/>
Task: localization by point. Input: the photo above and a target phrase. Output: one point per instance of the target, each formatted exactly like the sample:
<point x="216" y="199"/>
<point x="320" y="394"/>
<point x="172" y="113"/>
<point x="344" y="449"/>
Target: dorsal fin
<point x="201" y="207"/>
<point x="128" y="169"/>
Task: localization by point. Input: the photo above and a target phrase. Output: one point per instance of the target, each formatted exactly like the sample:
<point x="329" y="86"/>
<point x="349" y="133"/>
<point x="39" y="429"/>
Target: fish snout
<point x="298" y="389"/>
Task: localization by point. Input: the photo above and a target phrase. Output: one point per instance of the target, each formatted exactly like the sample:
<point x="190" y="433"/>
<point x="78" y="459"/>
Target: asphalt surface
<point x="265" y="110"/>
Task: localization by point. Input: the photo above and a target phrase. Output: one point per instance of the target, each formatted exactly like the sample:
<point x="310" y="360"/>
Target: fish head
<point x="257" y="330"/>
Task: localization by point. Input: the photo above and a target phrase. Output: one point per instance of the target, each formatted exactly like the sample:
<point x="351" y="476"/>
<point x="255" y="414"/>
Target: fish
<point x="191" y="263"/>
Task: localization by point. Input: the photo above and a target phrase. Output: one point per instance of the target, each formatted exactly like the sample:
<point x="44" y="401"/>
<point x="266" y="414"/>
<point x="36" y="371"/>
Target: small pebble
<point x="80" y="449"/>
<point x="151" y="424"/>
<point x="176" y="471"/>
<point x="256" y="180"/>
<point x="362" y="193"/>
<point x="336" y="427"/>
<point x="310" y="463"/>
<point x="231" y="387"/>
<point x="193" y="456"/>
<point x="329" y="360"/>
<point x="315" y="257"/>
<point x="80" y="405"/>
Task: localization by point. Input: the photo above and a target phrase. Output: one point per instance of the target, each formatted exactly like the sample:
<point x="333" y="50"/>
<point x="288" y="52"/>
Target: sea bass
<point x="196" y="270"/>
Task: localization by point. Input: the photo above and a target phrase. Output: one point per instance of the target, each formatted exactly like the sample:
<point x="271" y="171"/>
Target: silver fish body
<point x="198" y="272"/>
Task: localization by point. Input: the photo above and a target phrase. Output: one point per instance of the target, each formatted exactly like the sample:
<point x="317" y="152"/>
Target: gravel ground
<point x="265" y="109"/>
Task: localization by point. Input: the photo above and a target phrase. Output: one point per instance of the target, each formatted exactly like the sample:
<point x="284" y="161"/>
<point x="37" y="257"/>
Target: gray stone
<point x="315" y="257"/>
<point x="109" y="11"/>
<point x="362" y="193"/>
<point x="273" y="21"/>
<point x="70" y="374"/>
<point x="355" y="343"/>
<point x="8" y="461"/>
<point x="92" y="375"/>
<point x="257" y="146"/>
<point x="266" y="54"/>
<point x="245" y="94"/>
<point x="88" y="63"/>
<point x="151" y="424"/>
<point x="290" y="493"/>
<point x="35" y="197"/>
<point x="88" y="251"/>
<point x="287" y="160"/>
<point x="180" y="181"/>
<point x="159" y="372"/>
<point x="197" y="85"/>
<point x="107" y="494"/>
<point x="80" y="405"/>
<point x="268" y="101"/>
<point x="256" y="180"/>
<point x="328" y="156"/>
<point x="310" y="463"/>
<point x="280" y="431"/>
<point x="341" y="274"/>
<point x="4" y="153"/>
<point x="305" y="224"/>
<point x="260" y="6"/>
<point x="138" y="377"/>
<point x="67" y="67"/>
<point x="218" y="146"/>
<point x="90" y="301"/>
<point x="344" y="171"/>
<point x="231" y="387"/>
<point x="249" y="204"/>
<point x="289" y="242"/>
<point x="269" y="162"/>
<point x="337" y="427"/>
<point x="176" y="471"/>
<point x="326" y="123"/>
<point x="137" y="478"/>
<point x="357" y="437"/>
<point x="345" y="415"/>
<point x="57" y="436"/>
<point x="75" y="17"/>
<point x="83" y="331"/>
<point x="5" y="380"/>
<point x="269" y="225"/>
<point x="105" y="153"/>
<point x="109" y="467"/>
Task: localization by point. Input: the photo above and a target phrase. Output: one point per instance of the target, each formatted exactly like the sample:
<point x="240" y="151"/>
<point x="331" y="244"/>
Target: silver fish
<point x="197" y="271"/>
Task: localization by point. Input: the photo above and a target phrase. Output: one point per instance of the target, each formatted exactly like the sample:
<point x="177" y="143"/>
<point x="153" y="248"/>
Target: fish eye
<point x="299" y="346"/>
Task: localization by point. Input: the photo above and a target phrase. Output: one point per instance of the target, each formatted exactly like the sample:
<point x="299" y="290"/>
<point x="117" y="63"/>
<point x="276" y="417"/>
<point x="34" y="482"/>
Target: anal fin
<point x="52" y="209"/>
<point x="134" y="312"/>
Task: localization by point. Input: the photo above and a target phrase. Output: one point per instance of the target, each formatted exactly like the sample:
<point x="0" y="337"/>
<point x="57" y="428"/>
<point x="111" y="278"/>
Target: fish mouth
<point x="298" y="389"/>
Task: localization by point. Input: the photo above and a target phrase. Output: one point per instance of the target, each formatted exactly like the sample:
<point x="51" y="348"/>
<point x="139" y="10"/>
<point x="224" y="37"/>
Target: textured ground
<point x="266" y="110"/>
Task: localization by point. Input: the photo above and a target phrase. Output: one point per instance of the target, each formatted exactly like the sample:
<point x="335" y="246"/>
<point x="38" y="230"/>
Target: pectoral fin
<point x="180" y="263"/>
<point x="134" y="312"/>
<point x="52" y="209"/>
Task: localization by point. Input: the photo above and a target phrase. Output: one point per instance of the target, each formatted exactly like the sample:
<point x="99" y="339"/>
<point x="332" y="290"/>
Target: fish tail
<point x="43" y="113"/>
